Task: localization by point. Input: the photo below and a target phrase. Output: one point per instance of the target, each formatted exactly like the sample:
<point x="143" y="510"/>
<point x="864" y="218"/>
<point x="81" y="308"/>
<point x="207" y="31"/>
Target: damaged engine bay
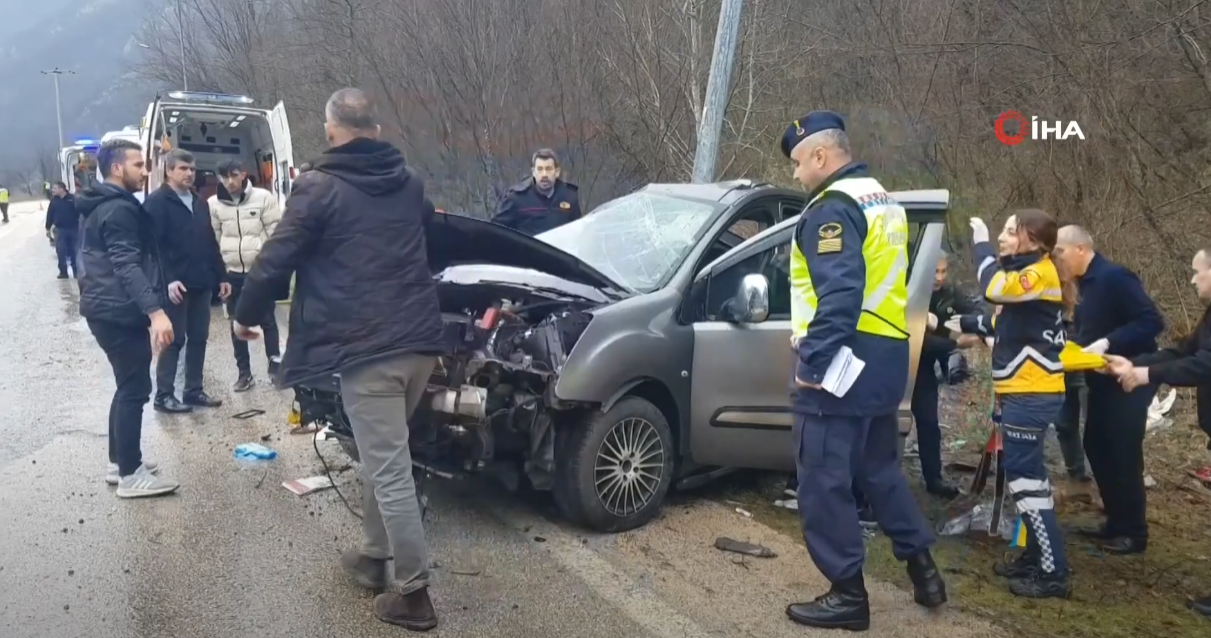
<point x="490" y="405"/>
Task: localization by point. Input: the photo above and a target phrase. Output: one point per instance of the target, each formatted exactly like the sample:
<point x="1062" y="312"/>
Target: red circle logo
<point x="1011" y="139"/>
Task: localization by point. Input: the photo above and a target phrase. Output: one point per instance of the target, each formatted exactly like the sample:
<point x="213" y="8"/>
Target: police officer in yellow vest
<point x="4" y="203"/>
<point x="848" y="272"/>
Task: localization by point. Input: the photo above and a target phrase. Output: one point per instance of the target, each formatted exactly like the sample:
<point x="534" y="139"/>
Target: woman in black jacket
<point x="1187" y="364"/>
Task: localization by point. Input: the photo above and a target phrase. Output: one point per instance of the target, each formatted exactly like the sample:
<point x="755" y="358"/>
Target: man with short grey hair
<point x="1115" y="316"/>
<point x="374" y="319"/>
<point x="193" y="270"/>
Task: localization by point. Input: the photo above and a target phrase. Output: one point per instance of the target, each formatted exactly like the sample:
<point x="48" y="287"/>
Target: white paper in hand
<point x="842" y="372"/>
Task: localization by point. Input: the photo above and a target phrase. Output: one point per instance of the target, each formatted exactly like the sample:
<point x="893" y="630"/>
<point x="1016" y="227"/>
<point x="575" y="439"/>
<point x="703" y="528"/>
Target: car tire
<point x="640" y="454"/>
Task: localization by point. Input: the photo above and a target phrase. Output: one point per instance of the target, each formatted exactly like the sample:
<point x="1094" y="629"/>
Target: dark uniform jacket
<point x="839" y="279"/>
<point x="354" y="234"/>
<point x="945" y="303"/>
<point x="529" y="211"/>
<point x="1186" y="364"/>
<point x="62" y="213"/>
<point x="188" y="248"/>
<point x="1114" y="306"/>
<point x="121" y="280"/>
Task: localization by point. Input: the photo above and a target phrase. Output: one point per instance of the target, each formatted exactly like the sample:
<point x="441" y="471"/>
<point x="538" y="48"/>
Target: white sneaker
<point x="111" y="475"/>
<point x="143" y="483"/>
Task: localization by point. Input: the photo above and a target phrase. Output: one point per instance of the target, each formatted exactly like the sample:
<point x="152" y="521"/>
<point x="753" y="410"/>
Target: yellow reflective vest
<point x="885" y="250"/>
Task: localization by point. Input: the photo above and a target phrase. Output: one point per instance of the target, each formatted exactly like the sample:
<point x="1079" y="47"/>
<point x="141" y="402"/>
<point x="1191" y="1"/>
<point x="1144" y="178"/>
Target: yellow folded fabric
<point x="1077" y="360"/>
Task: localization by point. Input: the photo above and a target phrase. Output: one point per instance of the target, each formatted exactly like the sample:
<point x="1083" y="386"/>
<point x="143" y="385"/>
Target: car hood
<point x="458" y="239"/>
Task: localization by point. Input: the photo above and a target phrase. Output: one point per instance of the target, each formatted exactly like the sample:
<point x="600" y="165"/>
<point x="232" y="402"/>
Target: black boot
<point x="942" y="489"/>
<point x="845" y="606"/>
<point x="171" y="405"/>
<point x="1025" y="565"/>
<point x="928" y="588"/>
<point x="1041" y="584"/>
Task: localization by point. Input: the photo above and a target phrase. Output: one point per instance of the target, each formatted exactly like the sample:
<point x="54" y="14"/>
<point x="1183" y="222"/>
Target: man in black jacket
<point x="365" y="305"/>
<point x="193" y="269"/>
<point x="122" y="293"/>
<point x="540" y="202"/>
<point x="1115" y="316"/>
<point x="62" y="216"/>
<point x="1187" y="364"/>
<point x="946" y="302"/>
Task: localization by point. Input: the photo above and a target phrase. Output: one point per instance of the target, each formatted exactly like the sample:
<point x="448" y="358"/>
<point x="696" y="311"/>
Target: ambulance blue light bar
<point x="210" y="98"/>
<point x="86" y="142"/>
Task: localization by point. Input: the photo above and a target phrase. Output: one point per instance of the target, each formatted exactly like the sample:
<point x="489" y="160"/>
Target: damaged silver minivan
<point x="639" y="348"/>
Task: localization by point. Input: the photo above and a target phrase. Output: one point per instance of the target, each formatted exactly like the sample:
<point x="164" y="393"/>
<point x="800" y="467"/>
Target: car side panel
<point x="635" y="339"/>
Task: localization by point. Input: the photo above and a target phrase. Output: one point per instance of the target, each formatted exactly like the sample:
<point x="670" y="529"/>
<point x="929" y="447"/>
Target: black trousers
<point x="4" y="210"/>
<point x="268" y="326"/>
<point x="1068" y="426"/>
<point x="129" y="352"/>
<point x="66" y="248"/>
<point x="1114" y="443"/>
<point x="929" y="432"/>
<point x="190" y="327"/>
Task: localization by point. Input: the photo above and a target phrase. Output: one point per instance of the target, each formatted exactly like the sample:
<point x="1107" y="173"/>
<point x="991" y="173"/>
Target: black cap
<point x="809" y="124"/>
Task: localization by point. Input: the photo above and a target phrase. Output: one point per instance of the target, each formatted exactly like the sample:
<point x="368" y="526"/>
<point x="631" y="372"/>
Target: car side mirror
<point x="751" y="303"/>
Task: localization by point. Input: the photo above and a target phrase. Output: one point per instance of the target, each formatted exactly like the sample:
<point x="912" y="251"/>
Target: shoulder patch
<point x="829" y="238"/>
<point x="565" y="206"/>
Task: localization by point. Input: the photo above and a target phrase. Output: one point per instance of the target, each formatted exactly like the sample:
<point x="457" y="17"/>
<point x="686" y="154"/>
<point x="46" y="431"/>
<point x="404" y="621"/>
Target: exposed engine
<point x="490" y="404"/>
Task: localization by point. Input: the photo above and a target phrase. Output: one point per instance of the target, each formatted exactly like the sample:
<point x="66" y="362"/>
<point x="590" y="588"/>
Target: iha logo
<point x="1012" y="128"/>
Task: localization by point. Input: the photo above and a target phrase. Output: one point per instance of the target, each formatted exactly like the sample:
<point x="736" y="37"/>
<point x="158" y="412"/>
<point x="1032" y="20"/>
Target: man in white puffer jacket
<point x="243" y="217"/>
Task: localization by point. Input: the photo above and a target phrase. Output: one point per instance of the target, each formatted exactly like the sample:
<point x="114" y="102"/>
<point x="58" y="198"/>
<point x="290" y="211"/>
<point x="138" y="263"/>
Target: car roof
<point x="718" y="192"/>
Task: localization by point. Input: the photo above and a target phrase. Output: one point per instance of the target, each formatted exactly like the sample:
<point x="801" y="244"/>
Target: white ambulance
<point x="78" y="165"/>
<point x="215" y="127"/>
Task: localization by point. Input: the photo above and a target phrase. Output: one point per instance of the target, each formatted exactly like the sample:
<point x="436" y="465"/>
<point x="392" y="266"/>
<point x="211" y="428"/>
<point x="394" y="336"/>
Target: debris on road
<point x="726" y="544"/>
<point x="744" y="513"/>
<point x="790" y="504"/>
<point x="306" y="486"/>
<point x="248" y="414"/>
<point x="254" y="452"/>
<point x="466" y="571"/>
<point x="1149" y="482"/>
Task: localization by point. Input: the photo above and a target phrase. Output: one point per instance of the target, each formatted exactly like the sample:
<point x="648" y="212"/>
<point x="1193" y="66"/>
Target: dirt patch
<point x="1113" y="597"/>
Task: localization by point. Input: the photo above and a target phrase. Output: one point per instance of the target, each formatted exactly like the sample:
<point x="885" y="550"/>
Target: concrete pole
<point x="181" y="40"/>
<point x="55" y="73"/>
<point x="718" y="89"/>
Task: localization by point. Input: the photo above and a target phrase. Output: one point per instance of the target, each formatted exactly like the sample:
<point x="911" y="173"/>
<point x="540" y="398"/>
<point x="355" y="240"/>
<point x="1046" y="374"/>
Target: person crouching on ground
<point x="1184" y="365"/>
<point x="62" y="216"/>
<point x="243" y="218"/>
<point x="1029" y="382"/>
<point x="122" y="293"/>
<point x="354" y="235"/>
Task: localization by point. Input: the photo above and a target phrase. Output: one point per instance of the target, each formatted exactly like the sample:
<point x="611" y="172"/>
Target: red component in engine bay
<point x="488" y="321"/>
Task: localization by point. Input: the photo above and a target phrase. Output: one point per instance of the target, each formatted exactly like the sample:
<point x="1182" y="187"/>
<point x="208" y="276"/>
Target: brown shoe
<point x="413" y="611"/>
<point x="370" y="573"/>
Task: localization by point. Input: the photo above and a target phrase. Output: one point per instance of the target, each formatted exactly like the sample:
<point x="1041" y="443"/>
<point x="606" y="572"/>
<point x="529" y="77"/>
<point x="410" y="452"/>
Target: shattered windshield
<point x="637" y="240"/>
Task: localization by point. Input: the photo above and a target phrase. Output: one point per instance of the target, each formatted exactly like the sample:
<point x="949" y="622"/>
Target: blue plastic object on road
<point x="254" y="452"/>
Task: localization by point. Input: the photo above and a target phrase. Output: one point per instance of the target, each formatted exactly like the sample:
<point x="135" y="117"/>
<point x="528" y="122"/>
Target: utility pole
<point x="718" y="89"/>
<point x="181" y="40"/>
<point x="55" y="73"/>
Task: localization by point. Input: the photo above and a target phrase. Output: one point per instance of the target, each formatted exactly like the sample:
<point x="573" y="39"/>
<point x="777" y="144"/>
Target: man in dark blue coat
<point x="62" y="216"/>
<point x="1115" y="316"/>
<point x="541" y="202"/>
<point x="193" y="268"/>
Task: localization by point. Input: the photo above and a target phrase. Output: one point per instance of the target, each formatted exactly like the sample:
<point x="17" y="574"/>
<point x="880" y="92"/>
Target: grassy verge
<point x="1113" y="597"/>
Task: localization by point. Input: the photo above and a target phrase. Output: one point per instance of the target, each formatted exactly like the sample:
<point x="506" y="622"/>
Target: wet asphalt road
<point x="234" y="554"/>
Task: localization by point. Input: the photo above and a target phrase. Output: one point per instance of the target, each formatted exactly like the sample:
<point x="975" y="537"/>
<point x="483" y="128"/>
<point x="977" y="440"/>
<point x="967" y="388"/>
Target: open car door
<point x="147" y="130"/>
<point x="283" y="151"/>
<point x="740" y="412"/>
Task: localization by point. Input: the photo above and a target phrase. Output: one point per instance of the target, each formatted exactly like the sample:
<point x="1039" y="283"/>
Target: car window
<point x="750" y="222"/>
<point x="773" y="263"/>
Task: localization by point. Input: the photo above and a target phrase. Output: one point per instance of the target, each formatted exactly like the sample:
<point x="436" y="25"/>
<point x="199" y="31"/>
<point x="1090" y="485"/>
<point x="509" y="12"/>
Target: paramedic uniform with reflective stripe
<point x="1029" y="382"/>
<point x="849" y="264"/>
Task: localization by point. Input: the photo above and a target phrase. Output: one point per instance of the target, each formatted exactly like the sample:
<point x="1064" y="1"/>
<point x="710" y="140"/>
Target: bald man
<point x="361" y="199"/>
<point x="1115" y="316"/>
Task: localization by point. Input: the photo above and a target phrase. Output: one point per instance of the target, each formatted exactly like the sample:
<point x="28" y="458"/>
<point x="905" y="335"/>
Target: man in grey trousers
<point x="365" y="306"/>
